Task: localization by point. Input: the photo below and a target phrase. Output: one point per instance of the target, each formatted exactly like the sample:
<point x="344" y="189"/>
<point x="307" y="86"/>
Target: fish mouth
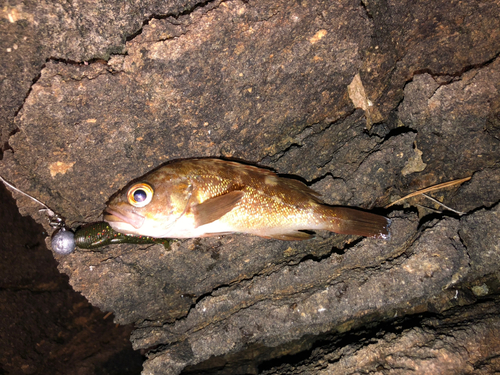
<point x="117" y="216"/>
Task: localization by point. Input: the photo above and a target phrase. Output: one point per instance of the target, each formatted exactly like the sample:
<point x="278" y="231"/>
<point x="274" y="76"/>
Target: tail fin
<point x="345" y="220"/>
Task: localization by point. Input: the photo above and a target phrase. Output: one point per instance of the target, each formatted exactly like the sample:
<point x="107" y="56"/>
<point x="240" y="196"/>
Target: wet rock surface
<point x="116" y="90"/>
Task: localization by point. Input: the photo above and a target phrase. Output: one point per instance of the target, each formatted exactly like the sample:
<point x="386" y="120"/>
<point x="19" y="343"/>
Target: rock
<point x="109" y="91"/>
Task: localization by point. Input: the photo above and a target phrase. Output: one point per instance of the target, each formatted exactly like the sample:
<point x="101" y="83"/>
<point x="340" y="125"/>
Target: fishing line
<point x="90" y="236"/>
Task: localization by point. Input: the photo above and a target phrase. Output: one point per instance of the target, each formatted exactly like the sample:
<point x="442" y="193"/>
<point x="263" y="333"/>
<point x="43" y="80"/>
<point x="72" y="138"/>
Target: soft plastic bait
<point x="89" y="236"/>
<point x="95" y="235"/>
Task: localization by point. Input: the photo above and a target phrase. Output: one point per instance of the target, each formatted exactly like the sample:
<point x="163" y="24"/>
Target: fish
<point x="203" y="197"/>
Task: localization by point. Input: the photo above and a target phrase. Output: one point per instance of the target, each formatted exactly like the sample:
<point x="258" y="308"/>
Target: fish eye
<point x="140" y="195"/>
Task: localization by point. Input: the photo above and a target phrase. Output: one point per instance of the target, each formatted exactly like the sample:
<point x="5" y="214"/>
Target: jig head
<point x="90" y="236"/>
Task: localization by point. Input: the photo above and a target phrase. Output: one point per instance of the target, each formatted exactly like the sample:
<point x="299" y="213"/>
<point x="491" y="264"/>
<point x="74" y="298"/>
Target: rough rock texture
<point x="366" y="102"/>
<point x="46" y="327"/>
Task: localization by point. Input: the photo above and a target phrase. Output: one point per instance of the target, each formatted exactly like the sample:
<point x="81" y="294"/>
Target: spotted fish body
<point x="205" y="197"/>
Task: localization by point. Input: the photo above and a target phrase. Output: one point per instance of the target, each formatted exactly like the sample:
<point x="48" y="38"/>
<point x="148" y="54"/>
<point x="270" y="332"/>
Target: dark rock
<point x="96" y="94"/>
<point x="46" y="326"/>
<point x="479" y="232"/>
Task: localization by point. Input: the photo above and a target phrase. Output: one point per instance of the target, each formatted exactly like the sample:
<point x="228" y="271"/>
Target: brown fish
<point x="206" y="197"/>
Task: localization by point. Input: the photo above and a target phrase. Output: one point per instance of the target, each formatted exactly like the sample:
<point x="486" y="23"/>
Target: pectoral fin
<point x="214" y="208"/>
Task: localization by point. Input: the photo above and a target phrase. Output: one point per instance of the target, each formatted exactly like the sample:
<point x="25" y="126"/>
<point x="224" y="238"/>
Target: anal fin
<point x="214" y="208"/>
<point x="291" y="236"/>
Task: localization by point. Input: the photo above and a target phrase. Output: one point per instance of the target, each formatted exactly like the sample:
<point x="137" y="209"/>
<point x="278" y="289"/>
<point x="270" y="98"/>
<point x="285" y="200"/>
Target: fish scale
<point x="205" y="197"/>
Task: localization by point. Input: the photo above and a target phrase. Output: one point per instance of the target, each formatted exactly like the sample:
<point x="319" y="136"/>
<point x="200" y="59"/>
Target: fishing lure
<point x="95" y="235"/>
<point x="89" y="236"/>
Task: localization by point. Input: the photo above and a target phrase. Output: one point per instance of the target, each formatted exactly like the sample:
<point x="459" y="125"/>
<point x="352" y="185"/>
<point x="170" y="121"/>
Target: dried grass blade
<point x="430" y="188"/>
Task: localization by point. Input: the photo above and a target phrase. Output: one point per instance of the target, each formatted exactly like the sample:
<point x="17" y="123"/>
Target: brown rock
<point x="96" y="94"/>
